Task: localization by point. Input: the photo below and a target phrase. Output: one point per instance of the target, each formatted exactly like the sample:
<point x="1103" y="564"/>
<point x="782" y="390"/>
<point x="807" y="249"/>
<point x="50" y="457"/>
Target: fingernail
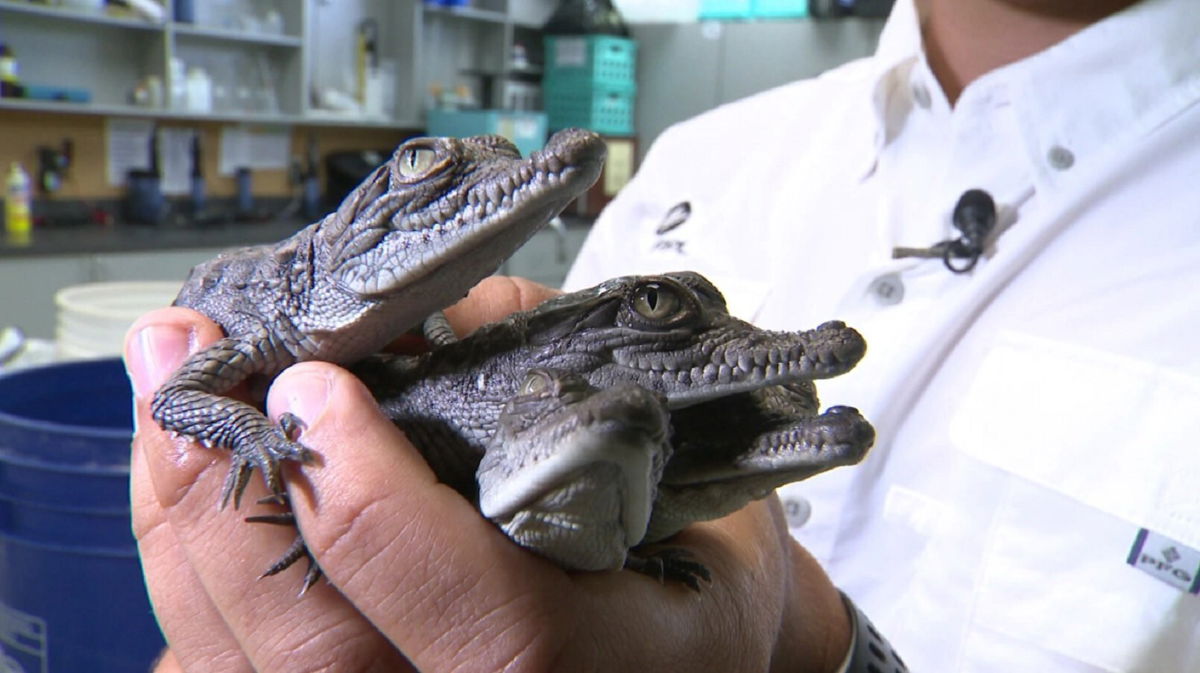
<point x="305" y="394"/>
<point x="155" y="353"/>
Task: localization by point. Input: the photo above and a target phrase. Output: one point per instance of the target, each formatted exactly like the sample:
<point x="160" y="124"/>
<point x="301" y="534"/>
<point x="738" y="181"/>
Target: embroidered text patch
<point x="1166" y="560"/>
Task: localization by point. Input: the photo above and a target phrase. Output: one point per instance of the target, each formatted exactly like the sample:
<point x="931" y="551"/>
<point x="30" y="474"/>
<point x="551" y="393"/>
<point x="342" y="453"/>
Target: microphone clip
<point x="975" y="217"/>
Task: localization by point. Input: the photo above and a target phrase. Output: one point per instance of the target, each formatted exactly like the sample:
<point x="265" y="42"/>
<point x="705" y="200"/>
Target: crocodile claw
<point x="670" y="563"/>
<point x="265" y="450"/>
<point x="295" y="551"/>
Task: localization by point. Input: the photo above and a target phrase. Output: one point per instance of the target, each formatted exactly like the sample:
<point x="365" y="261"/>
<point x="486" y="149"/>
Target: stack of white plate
<point x="93" y="317"/>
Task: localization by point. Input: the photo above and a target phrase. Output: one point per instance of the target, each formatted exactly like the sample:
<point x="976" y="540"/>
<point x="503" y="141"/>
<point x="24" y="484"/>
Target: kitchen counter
<point x="58" y="257"/>
<point x="89" y="239"/>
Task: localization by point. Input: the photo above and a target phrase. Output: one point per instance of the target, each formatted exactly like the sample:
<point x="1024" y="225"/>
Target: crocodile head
<point x="673" y="334"/>
<point x="572" y="470"/>
<point x="729" y="451"/>
<point x="446" y="209"/>
<point x="669" y="334"/>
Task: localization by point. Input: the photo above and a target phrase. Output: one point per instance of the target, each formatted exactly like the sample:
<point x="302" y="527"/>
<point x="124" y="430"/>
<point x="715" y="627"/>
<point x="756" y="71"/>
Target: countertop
<point x="90" y="239"/>
<point x="87" y="239"/>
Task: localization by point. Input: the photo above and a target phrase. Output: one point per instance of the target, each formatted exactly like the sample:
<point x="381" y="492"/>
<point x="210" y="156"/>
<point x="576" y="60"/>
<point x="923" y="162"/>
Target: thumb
<point x="409" y="552"/>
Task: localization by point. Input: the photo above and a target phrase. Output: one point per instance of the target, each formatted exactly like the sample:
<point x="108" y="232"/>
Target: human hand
<point x="415" y="573"/>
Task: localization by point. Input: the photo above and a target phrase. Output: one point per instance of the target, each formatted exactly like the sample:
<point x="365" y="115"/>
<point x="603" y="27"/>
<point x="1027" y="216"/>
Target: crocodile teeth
<point x="724" y="374"/>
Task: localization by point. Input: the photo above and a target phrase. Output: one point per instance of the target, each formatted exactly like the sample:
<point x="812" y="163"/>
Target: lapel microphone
<point x="974" y="217"/>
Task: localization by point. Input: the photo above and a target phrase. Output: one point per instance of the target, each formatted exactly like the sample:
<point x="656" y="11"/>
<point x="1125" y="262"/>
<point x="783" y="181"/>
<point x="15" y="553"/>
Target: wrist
<point x="816" y="627"/>
<point x="869" y="651"/>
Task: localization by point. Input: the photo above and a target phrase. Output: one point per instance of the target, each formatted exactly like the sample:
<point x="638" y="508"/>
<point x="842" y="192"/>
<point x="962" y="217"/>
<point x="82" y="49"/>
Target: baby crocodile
<point x="631" y="352"/>
<point x="670" y="334"/>
<point x="419" y="232"/>
<point x="585" y="476"/>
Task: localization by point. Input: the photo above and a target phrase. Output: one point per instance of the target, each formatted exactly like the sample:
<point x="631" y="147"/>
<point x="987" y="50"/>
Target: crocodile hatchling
<point x="419" y="232"/>
<point x="587" y="476"/>
<point x="740" y="400"/>
<point x="670" y="335"/>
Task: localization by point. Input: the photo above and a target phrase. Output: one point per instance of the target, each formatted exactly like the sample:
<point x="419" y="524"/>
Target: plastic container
<point x="526" y="130"/>
<point x="585" y="60"/>
<point x="726" y="9"/>
<point x="603" y="109"/>
<point x="71" y="591"/>
<point x="780" y="9"/>
<point x="93" y="317"/>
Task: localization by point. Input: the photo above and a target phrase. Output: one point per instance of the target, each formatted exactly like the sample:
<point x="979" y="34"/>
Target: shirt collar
<point x="1107" y="83"/>
<point x="1141" y="82"/>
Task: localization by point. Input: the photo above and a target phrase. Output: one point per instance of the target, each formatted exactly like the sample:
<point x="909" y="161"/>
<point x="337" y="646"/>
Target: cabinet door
<point x="152" y="265"/>
<point x="547" y="256"/>
<point x="27" y="288"/>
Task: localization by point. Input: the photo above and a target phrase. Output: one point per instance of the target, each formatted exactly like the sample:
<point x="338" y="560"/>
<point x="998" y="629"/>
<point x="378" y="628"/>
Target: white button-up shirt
<point x="1032" y="502"/>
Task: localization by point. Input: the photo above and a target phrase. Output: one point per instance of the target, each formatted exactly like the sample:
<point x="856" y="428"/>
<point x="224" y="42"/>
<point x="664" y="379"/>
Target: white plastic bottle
<point x="199" y="90"/>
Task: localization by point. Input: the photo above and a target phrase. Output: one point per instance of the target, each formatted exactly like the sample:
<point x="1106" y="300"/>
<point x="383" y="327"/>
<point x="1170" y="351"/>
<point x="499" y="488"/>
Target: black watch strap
<point x="872" y="653"/>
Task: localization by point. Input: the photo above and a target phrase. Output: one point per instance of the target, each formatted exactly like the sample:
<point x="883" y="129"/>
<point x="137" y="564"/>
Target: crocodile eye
<point x="415" y="162"/>
<point x="536" y="383"/>
<point x="655" y="301"/>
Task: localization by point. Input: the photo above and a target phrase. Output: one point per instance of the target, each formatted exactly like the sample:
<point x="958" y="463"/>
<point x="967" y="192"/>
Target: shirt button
<point x="796" y="511"/>
<point x="1060" y="158"/>
<point x="921" y="97"/>
<point x="887" y="289"/>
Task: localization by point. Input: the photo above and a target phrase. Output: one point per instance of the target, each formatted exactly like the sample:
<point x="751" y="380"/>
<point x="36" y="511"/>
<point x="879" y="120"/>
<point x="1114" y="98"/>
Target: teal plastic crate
<point x="591" y="59"/>
<point x="602" y="108"/>
<point x="526" y="130"/>
<point x="780" y="9"/>
<point x="726" y="9"/>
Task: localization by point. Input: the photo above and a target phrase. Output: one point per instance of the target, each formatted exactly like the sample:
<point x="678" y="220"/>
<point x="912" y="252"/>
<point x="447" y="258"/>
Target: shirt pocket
<point x="1096" y="447"/>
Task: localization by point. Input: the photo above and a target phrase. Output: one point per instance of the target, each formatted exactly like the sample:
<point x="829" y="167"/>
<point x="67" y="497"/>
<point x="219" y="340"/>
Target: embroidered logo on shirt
<point x="1166" y="560"/>
<point x="676" y="216"/>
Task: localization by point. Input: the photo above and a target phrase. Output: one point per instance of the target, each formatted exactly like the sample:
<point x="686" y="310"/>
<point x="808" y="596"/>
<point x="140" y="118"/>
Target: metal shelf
<point x="469" y="13"/>
<point x="94" y="18"/>
<point x="188" y="30"/>
<point x="311" y="118"/>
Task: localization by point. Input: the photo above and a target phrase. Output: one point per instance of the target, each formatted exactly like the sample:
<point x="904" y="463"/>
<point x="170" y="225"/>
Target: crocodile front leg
<point x="192" y="404"/>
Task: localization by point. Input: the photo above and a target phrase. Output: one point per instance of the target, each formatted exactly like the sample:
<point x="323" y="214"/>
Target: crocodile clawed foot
<point x="669" y="563"/>
<point x="297" y="550"/>
<point x="265" y="451"/>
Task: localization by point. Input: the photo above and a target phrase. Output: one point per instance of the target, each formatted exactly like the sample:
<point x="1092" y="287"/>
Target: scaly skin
<point x="572" y="470"/>
<point x="670" y="334"/>
<point x="740" y="448"/>
<point x="569" y="470"/>
<point x="629" y="345"/>
<point x="418" y="233"/>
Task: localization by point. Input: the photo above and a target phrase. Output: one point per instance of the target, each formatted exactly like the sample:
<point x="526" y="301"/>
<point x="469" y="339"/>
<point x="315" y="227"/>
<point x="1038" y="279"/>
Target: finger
<point x="411" y="553"/>
<point x="155" y="346"/>
<point x="184" y="611"/>
<point x="167" y="663"/>
<point x="276" y="630"/>
<point x="730" y="625"/>
<point x="494" y="298"/>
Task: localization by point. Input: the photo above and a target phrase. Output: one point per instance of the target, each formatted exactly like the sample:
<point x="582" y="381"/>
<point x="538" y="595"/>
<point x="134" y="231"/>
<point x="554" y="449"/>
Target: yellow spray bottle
<point x="17" y="207"/>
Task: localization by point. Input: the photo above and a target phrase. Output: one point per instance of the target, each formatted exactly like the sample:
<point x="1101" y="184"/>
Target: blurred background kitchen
<point x="140" y="137"/>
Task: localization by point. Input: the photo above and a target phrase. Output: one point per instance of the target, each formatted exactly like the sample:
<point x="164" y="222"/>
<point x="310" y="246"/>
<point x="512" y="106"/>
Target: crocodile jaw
<point x="740" y="359"/>
<point x="494" y="209"/>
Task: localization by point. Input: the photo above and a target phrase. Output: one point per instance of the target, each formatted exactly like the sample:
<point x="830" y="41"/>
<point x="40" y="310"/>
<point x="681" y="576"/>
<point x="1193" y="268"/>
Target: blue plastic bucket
<point x="71" y="592"/>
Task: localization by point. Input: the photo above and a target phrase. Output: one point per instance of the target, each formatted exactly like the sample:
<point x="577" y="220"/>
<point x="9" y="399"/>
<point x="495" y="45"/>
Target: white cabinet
<point x="254" y="60"/>
<point x="28" y="284"/>
<point x="266" y="60"/>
